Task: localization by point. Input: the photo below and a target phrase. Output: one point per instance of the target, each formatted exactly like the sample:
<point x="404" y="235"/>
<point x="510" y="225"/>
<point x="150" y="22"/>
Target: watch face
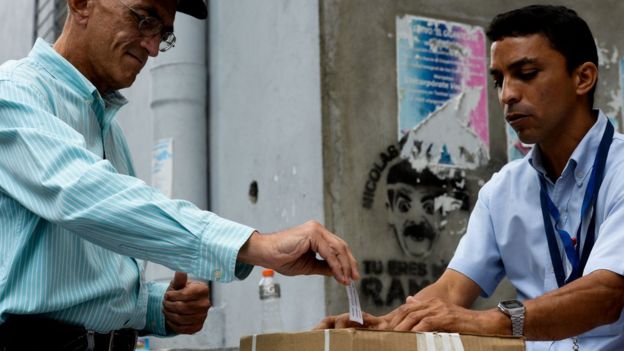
<point x="511" y="304"/>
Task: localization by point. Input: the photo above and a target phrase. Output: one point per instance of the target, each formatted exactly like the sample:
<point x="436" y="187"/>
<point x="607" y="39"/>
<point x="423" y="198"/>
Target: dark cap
<point x="195" y="8"/>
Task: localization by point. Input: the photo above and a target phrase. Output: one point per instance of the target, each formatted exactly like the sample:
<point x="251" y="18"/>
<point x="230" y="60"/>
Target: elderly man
<point x="73" y="218"/>
<point x="551" y="222"/>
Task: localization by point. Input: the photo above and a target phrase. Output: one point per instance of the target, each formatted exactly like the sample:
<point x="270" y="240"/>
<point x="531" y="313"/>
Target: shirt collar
<point x="43" y="53"/>
<point x="582" y="159"/>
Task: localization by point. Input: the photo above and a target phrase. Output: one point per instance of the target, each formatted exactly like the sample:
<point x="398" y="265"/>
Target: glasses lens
<point x="150" y="26"/>
<point x="167" y="41"/>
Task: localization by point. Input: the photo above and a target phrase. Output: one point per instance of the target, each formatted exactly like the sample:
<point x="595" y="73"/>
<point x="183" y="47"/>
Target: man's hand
<point x="186" y="305"/>
<point x="441" y="316"/>
<point x="293" y="251"/>
<point x="342" y="321"/>
<point x="431" y="315"/>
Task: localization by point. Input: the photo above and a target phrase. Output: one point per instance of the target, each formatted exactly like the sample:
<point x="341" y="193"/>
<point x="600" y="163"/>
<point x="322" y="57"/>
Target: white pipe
<point x="178" y="103"/>
<point x="178" y="91"/>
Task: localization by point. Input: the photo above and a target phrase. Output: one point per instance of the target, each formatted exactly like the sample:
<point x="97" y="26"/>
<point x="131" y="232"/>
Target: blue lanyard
<point x="577" y="259"/>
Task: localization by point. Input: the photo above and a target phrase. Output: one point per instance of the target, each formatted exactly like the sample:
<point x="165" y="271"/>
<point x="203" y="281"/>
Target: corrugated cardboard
<point x="374" y="340"/>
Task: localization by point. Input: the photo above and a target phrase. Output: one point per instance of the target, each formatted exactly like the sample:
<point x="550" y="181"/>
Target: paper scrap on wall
<point x="437" y="62"/>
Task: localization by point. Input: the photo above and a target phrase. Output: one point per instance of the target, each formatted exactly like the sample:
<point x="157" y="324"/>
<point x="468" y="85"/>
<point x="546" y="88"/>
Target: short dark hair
<point x="567" y="33"/>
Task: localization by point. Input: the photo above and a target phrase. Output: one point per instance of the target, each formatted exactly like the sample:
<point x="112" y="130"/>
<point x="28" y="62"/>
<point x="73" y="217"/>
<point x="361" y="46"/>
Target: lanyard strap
<point x="550" y="213"/>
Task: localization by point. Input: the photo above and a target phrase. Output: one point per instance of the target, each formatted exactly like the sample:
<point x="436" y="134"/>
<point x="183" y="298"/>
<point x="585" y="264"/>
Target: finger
<point x="425" y="325"/>
<point x="192" y="291"/>
<point x="343" y="254"/>
<point x="373" y="322"/>
<point x="355" y="273"/>
<point x="187" y="307"/>
<point x="184" y="329"/>
<point x="325" y="250"/>
<point x="401" y="313"/>
<point x="185" y="319"/>
<point x="411" y="320"/>
<point x="343" y="321"/>
<point x="347" y="260"/>
<point x="327" y="323"/>
<point x="178" y="281"/>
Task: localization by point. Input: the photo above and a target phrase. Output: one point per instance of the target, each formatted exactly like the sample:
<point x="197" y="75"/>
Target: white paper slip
<point x="355" y="311"/>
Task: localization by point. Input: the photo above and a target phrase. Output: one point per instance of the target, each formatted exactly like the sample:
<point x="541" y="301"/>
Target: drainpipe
<point x="178" y="104"/>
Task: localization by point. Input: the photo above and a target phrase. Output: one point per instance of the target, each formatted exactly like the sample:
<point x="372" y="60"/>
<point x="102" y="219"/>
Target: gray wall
<point x="265" y="125"/>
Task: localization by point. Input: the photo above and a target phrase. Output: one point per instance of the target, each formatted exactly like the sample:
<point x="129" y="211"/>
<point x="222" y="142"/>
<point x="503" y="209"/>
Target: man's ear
<point x="80" y="9"/>
<point x="586" y="77"/>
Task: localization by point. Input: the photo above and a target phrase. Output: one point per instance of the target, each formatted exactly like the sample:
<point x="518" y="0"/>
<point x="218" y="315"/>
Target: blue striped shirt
<point x="73" y="218"/>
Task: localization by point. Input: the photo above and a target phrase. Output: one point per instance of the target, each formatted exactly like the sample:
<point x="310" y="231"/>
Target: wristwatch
<point x="515" y="310"/>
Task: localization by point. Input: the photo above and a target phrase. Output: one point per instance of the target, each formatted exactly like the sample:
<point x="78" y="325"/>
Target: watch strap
<point x="517" y="324"/>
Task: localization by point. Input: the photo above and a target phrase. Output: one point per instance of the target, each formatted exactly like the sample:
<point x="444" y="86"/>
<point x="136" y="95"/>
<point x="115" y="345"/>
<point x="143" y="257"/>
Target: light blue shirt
<point x="72" y="223"/>
<point x="506" y="234"/>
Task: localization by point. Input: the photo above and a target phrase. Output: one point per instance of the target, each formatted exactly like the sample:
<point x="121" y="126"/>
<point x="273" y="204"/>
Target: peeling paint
<point x="445" y="204"/>
<point x="607" y="57"/>
<point x="446" y="136"/>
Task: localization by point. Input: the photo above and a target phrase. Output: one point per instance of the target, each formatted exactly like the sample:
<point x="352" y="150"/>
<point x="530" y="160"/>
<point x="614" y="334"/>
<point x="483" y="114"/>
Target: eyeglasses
<point x="150" y="26"/>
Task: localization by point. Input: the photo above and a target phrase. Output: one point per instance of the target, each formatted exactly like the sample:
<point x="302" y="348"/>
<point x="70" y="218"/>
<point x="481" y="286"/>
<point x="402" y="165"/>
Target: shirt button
<point x="217" y="274"/>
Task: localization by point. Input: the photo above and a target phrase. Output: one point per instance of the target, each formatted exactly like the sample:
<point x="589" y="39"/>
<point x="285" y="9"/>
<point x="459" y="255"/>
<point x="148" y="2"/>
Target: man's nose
<point x="509" y="93"/>
<point x="151" y="44"/>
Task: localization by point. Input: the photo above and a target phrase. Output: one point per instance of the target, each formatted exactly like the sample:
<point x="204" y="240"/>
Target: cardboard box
<point x="374" y="340"/>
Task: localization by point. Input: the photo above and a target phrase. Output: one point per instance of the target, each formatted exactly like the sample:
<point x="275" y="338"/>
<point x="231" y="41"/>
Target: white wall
<point x="265" y="125"/>
<point x="16" y="28"/>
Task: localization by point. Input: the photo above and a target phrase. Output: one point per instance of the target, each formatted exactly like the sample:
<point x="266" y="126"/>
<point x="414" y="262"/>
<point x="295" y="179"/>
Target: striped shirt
<point x="74" y="221"/>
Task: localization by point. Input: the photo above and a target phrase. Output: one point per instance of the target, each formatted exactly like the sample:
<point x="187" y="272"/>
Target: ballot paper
<point x="355" y="310"/>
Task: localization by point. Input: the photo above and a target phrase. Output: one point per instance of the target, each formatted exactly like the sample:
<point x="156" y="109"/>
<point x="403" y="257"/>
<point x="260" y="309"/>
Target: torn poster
<point x="437" y="61"/>
<point x="443" y="140"/>
<point x="162" y="166"/>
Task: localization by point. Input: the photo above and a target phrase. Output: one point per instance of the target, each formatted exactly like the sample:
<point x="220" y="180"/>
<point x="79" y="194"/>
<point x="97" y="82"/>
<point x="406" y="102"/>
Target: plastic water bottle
<point x="270" y="299"/>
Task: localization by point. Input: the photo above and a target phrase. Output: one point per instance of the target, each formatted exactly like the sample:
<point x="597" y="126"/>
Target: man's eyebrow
<point x="516" y="65"/>
<point x="522" y="62"/>
<point x="153" y="13"/>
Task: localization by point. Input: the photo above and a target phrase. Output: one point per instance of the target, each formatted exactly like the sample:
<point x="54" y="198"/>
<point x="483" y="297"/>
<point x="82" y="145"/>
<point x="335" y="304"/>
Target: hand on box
<point x="293" y="252"/>
<point x="342" y="321"/>
<point x="423" y="316"/>
<point x="186" y="305"/>
<point x="440" y="316"/>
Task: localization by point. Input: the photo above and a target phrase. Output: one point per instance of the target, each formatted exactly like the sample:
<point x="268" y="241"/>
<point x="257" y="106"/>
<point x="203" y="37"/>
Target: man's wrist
<point x="515" y="310"/>
<point x="251" y="252"/>
<point x="494" y="322"/>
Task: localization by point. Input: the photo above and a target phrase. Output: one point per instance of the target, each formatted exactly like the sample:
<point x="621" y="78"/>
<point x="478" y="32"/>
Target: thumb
<point x="179" y="281"/>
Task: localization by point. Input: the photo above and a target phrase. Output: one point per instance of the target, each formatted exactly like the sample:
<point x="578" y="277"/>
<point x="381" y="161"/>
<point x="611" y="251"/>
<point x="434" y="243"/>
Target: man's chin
<point x="125" y="82"/>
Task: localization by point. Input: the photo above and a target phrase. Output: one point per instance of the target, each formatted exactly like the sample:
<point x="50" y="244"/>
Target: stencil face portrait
<point x="418" y="204"/>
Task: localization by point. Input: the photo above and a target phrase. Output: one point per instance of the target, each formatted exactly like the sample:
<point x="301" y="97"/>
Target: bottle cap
<point x="267" y="273"/>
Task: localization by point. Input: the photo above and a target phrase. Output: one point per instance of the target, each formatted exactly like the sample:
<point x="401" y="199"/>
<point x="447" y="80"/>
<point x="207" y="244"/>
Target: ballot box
<point x="375" y="340"/>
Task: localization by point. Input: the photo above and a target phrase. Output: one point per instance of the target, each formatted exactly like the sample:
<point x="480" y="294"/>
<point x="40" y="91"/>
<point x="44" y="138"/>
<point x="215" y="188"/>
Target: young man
<point x="73" y="218"/>
<point x="553" y="222"/>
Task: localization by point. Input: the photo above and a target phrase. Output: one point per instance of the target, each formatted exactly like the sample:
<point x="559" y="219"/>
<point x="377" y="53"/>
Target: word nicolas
<point x="375" y="174"/>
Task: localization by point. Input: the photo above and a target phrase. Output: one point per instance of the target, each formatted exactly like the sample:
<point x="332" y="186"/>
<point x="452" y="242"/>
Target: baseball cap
<point x="195" y="8"/>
